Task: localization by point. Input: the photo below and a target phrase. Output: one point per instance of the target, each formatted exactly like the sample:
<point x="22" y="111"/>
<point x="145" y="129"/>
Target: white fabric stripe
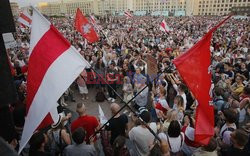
<point x="40" y="26"/>
<point x="23" y="21"/>
<point x="57" y="79"/>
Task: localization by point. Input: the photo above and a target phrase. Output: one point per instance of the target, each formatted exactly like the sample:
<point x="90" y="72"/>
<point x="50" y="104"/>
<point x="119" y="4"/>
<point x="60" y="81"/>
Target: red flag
<point x="85" y="28"/>
<point x="198" y="80"/>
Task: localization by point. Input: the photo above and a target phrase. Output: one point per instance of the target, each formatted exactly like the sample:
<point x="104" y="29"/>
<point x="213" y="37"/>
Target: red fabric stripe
<point x="26" y="18"/>
<point x="46" y="51"/>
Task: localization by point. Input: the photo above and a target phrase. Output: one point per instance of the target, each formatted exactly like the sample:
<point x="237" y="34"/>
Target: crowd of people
<point x="166" y="106"/>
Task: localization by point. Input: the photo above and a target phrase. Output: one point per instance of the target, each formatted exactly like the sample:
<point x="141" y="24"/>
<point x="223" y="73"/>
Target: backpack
<point x="231" y="129"/>
<point x="56" y="148"/>
<point x="100" y="97"/>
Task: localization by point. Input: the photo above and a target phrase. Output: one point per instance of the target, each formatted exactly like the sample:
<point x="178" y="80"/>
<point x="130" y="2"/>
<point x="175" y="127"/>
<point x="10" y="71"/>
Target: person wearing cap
<point x="59" y="138"/>
<point x="141" y="137"/>
<point x="87" y="122"/>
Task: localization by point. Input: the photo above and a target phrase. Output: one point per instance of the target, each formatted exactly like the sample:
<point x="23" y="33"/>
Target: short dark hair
<point x="212" y="145"/>
<point x="145" y="116"/>
<point x="241" y="137"/>
<point x="36" y="142"/>
<point x="182" y="87"/>
<point x="174" y="129"/>
<point x="78" y="135"/>
<point x="230" y="115"/>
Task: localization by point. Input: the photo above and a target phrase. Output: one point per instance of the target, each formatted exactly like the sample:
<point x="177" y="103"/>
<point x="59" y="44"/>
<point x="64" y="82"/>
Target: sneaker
<point x="113" y="100"/>
<point x="109" y="99"/>
<point x="83" y="98"/>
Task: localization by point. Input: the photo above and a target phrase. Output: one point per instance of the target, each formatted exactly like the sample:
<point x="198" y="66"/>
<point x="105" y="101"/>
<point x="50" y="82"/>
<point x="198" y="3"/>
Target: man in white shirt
<point x="141" y="136"/>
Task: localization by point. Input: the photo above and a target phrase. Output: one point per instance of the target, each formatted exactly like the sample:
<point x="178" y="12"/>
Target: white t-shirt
<point x="142" y="138"/>
<point x="175" y="143"/>
<point x="183" y="96"/>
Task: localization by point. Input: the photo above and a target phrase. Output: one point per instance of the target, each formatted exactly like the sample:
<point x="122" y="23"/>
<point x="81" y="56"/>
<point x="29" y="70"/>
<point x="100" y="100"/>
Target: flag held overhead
<point x="48" y="74"/>
<point x="198" y="81"/>
<point x="83" y="26"/>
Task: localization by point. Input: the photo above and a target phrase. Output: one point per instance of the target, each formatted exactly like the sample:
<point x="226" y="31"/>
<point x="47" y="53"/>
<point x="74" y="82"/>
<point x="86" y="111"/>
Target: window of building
<point x="218" y="5"/>
<point x="221" y="9"/>
<point x="231" y="1"/>
<point x="222" y="5"/>
<point x="239" y="0"/>
<point x="235" y="0"/>
<point x="214" y="5"/>
<point x="206" y="5"/>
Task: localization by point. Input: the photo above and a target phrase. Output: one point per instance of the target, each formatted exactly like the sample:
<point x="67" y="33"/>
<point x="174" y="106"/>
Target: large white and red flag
<point x="53" y="65"/>
<point x="128" y="14"/>
<point x="83" y="26"/>
<point x="198" y="81"/>
<point x="25" y="18"/>
<point x="164" y="27"/>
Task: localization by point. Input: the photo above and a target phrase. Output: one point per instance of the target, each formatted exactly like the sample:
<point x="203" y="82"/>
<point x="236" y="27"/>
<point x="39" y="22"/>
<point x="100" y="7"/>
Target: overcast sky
<point x="30" y="2"/>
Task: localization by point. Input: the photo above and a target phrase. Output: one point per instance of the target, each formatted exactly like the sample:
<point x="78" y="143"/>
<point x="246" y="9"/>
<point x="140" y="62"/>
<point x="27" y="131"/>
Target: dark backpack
<point x="100" y="97"/>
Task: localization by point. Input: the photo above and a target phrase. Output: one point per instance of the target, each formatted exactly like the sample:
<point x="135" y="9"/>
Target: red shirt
<point x="89" y="123"/>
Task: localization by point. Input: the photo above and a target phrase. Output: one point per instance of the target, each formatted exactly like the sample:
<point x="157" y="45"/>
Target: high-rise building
<point x="143" y="7"/>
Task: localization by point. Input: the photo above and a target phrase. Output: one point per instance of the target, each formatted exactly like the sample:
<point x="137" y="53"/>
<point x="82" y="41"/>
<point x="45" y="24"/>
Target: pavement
<point x="92" y="108"/>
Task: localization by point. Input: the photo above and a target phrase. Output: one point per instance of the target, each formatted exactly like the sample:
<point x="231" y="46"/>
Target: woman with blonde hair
<point x="179" y="107"/>
<point x="171" y="115"/>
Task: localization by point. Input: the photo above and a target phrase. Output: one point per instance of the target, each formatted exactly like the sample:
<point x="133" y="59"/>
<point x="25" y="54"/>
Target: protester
<point x="87" y="122"/>
<point x="80" y="148"/>
<point x="121" y="54"/>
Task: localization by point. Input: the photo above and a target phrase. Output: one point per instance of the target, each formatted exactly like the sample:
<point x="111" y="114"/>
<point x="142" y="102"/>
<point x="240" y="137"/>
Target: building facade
<point x="143" y="7"/>
<point x="14" y="8"/>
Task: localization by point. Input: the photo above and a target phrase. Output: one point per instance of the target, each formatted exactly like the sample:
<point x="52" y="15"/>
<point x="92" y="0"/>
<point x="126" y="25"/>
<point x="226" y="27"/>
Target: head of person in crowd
<point x="239" y="79"/>
<point x="81" y="109"/>
<point x="114" y="107"/>
<point x="174" y="129"/>
<point x="239" y="138"/>
<point x="178" y="100"/>
<point x="138" y="70"/>
<point x="211" y="146"/>
<point x="181" y="88"/>
<point x="112" y="65"/>
<point x="37" y="143"/>
<point x="79" y="135"/>
<point x="118" y="145"/>
<point x="229" y="115"/>
<point x="145" y="115"/>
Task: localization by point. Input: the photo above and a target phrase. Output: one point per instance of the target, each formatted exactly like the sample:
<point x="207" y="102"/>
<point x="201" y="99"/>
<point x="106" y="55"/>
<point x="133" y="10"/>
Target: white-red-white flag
<point x="53" y="65"/>
<point x="164" y="27"/>
<point x="25" y="18"/>
<point x="92" y="18"/>
<point x="128" y="14"/>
